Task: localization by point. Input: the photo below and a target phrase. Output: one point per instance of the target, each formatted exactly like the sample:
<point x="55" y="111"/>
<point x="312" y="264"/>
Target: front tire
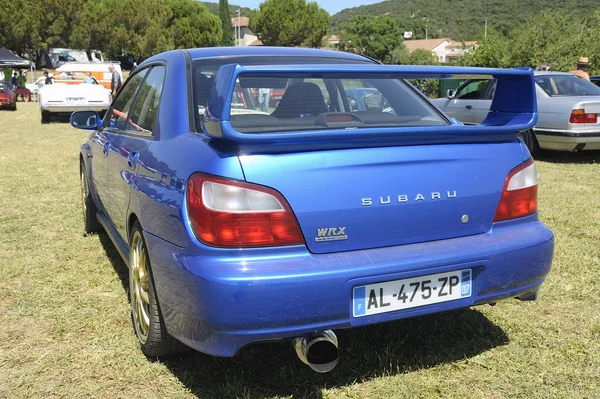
<point x="146" y="316"/>
<point x="46" y="116"/>
<point x="90" y="221"/>
<point x="528" y="137"/>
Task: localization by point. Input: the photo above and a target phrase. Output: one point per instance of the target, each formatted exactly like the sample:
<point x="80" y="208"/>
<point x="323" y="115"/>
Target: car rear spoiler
<point x="513" y="107"/>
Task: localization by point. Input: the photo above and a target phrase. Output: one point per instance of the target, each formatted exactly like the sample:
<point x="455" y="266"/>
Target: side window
<point x="143" y="114"/>
<point x="491" y="89"/>
<point x="117" y="114"/>
<point x="474" y="90"/>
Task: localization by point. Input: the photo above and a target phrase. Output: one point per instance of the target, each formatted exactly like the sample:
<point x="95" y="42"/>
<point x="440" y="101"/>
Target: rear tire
<point x="146" y="316"/>
<point x="90" y="221"/>
<point x="46" y="116"/>
<point x="528" y="137"/>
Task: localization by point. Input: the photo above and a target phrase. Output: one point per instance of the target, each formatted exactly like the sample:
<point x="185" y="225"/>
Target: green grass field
<point x="65" y="330"/>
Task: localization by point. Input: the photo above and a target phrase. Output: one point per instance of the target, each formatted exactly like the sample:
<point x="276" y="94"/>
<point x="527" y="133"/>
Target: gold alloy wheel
<point x="139" y="284"/>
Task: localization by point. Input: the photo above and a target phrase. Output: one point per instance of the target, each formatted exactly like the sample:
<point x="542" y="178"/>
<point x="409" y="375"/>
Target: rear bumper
<point x="568" y="141"/>
<point x="71" y="108"/>
<point x="7" y="104"/>
<point x="218" y="301"/>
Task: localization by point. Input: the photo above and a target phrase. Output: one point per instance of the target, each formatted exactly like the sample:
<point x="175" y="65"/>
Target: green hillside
<point x="214" y="8"/>
<point x="462" y="19"/>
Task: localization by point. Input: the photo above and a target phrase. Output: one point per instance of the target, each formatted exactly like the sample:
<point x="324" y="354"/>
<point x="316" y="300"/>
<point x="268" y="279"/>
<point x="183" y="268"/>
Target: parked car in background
<point x="75" y="73"/>
<point x="70" y="93"/>
<point x="57" y="57"/>
<point x="241" y="226"/>
<point x="568" y="109"/>
<point x="127" y="62"/>
<point x="367" y="99"/>
<point x="595" y="79"/>
<point x="8" y="99"/>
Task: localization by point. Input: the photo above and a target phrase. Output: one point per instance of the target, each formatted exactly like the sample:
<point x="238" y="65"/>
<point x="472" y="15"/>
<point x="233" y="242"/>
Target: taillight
<point x="229" y="213"/>
<point x="519" y="195"/>
<point x="579" y="116"/>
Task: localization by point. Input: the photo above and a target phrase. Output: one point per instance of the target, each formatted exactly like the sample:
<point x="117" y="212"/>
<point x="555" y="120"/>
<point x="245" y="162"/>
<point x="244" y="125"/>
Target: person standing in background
<point x="48" y="80"/>
<point x="115" y="81"/>
<point x="7" y="74"/>
<point x="90" y="79"/>
<point x="21" y="79"/>
<point x="14" y="82"/>
<point x="264" y="95"/>
<point x="583" y="65"/>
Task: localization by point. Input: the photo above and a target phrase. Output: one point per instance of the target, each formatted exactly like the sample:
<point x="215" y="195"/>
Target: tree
<point x="289" y="23"/>
<point x="374" y="37"/>
<point x="192" y="25"/>
<point x="491" y="52"/>
<point x="421" y="56"/>
<point x="227" y="39"/>
<point x="555" y="37"/>
<point x="316" y="25"/>
<point x="32" y="26"/>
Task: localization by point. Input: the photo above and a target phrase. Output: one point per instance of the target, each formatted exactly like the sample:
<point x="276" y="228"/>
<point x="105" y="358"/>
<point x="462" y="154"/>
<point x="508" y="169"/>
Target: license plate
<point x="75" y="100"/>
<point x="411" y="292"/>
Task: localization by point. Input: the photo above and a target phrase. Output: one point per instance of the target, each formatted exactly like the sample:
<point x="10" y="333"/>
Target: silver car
<point x="568" y="109"/>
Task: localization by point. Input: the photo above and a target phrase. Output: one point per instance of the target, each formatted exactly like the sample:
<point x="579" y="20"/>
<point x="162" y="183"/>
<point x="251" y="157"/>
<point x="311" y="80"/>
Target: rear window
<point x="567" y="85"/>
<point x="314" y="101"/>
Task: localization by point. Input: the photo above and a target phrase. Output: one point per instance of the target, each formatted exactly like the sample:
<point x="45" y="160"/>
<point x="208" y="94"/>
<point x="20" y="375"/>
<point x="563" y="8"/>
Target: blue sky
<point x="332" y="6"/>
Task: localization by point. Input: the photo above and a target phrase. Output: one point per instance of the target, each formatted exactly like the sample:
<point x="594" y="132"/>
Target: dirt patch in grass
<point x="65" y="329"/>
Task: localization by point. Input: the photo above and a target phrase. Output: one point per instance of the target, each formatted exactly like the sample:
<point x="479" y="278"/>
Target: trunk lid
<point x="353" y="199"/>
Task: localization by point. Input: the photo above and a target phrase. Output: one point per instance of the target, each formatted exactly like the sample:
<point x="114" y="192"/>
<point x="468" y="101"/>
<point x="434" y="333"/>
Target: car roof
<point x="241" y="51"/>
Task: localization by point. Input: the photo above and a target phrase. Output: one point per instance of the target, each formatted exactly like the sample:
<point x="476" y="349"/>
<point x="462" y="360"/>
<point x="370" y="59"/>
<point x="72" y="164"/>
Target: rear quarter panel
<point x="553" y="112"/>
<point x="158" y="194"/>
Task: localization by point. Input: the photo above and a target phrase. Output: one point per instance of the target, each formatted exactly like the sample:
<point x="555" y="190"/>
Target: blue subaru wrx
<point x="245" y="222"/>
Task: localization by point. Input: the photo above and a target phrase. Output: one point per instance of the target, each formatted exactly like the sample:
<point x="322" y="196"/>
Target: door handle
<point x="105" y="149"/>
<point x="469" y="107"/>
<point x="132" y="159"/>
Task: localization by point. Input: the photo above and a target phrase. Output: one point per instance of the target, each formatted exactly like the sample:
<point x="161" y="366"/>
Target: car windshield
<point x="567" y="85"/>
<point x="299" y="101"/>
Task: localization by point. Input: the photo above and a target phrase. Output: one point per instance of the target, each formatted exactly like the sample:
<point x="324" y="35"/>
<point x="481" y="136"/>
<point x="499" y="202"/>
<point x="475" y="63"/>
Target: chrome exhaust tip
<point x="319" y="351"/>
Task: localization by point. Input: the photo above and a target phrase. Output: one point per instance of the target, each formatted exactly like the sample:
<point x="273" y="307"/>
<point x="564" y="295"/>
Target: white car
<point x="70" y="93"/>
<point x="67" y="98"/>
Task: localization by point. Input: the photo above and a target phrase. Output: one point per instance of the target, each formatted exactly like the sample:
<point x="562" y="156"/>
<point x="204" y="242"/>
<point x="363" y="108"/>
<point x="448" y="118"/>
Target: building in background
<point x="444" y="49"/>
<point x="242" y="34"/>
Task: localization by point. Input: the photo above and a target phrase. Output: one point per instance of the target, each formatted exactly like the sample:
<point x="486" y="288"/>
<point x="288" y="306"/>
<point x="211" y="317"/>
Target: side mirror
<point x="450" y="94"/>
<point x="88" y="120"/>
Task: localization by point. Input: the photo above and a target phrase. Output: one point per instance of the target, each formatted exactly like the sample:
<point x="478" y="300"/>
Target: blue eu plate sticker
<point x="465" y="283"/>
<point x="359" y="301"/>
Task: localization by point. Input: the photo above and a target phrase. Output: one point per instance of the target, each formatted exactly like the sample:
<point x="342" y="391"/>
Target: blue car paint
<point x="219" y="300"/>
<point x="365" y="173"/>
